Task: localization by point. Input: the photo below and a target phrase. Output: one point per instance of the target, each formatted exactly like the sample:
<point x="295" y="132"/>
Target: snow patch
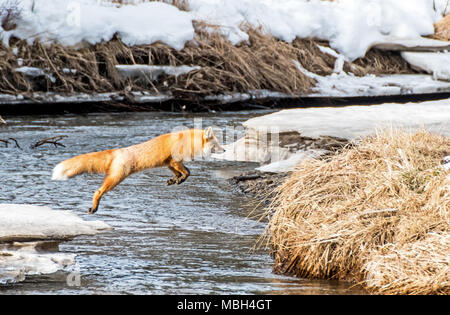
<point x="438" y="64"/>
<point x="289" y="164"/>
<point x="27" y="222"/>
<point x="71" y="23"/>
<point x="152" y="73"/>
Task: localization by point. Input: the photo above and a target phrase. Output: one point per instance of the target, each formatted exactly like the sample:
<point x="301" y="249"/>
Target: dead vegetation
<point x="442" y="29"/>
<point x="377" y="214"/>
<point x="263" y="63"/>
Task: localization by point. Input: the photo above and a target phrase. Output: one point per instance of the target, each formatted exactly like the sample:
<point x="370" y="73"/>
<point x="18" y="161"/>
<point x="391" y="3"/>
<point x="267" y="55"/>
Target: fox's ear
<point x="209" y="134"/>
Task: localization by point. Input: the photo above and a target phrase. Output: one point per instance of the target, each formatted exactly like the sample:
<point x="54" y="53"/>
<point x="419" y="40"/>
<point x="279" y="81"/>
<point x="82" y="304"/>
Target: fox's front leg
<point x="183" y="170"/>
<point x="175" y="178"/>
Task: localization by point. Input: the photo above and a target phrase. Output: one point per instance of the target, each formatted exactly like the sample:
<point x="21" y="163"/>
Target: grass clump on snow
<point x="377" y="214"/>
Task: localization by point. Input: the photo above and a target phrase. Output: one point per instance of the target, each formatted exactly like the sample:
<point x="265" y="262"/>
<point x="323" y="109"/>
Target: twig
<point x="6" y="142"/>
<point x="15" y="141"/>
<point x="52" y="140"/>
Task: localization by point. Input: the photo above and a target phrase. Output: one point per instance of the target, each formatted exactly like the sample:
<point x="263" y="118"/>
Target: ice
<point x="16" y="265"/>
<point x="29" y="238"/>
<point x="29" y="222"/>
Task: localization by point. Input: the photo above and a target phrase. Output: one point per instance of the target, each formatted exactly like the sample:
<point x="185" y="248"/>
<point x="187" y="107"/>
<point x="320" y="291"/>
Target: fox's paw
<point x="170" y="182"/>
<point x="92" y="211"/>
<point x="179" y="180"/>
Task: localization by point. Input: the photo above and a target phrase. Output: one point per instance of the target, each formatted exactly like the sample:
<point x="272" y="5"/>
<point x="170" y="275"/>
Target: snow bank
<point x="350" y="26"/>
<point x="28" y="223"/>
<point x="438" y="64"/>
<point x="342" y="84"/>
<point x="73" y="22"/>
<point x="356" y="121"/>
<point x="263" y="139"/>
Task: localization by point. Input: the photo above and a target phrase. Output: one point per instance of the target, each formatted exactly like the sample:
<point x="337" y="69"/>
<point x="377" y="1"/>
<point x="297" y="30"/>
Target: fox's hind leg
<point x="111" y="181"/>
<point x="180" y="168"/>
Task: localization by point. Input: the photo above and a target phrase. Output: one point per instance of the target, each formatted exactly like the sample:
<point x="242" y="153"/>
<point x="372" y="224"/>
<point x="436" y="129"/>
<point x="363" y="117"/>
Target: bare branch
<point x="52" y="140"/>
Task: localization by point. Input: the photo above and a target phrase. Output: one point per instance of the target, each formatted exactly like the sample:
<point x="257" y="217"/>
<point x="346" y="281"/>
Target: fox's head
<point x="211" y="144"/>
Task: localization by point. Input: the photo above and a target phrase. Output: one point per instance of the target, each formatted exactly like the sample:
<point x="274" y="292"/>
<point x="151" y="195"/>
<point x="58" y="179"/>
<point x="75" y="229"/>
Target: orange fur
<point x="166" y="150"/>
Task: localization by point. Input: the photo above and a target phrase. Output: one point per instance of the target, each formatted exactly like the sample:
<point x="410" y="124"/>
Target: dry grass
<point x="366" y="214"/>
<point x="264" y="63"/>
<point x="442" y="28"/>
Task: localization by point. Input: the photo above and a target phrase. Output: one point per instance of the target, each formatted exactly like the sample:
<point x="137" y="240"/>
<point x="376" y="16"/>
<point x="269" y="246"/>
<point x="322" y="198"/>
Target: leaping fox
<point x="165" y="150"/>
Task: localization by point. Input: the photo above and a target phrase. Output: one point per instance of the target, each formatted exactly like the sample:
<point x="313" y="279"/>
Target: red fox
<point x="165" y="150"/>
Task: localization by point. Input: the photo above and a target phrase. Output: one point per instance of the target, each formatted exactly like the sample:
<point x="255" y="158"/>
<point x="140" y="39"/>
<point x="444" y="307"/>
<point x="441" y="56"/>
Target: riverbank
<point x="375" y="214"/>
<point x="202" y="63"/>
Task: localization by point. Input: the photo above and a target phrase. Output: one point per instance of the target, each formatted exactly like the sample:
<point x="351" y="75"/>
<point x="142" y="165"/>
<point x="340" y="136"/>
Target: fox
<point x="167" y="150"/>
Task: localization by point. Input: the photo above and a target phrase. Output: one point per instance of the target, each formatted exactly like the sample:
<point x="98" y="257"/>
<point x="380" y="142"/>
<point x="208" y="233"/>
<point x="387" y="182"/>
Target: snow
<point x="348" y="85"/>
<point x="16" y="265"/>
<point x="351" y="27"/>
<point x="29" y="222"/>
<point x="34" y="72"/>
<point x="289" y="164"/>
<point x="352" y="122"/>
<point x="146" y="72"/>
<point x="411" y="44"/>
<point x="30" y="71"/>
<point x="438" y="64"/>
<point x="56" y="98"/>
<point x="71" y="23"/>
<point x="29" y="239"/>
<point x="446" y="164"/>
<point x="253" y="147"/>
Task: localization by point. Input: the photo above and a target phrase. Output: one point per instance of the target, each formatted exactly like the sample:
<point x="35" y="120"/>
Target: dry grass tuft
<point x="442" y="29"/>
<point x="366" y="215"/>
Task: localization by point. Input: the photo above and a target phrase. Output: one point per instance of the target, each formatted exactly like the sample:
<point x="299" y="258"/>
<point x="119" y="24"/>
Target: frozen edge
<point x="333" y="86"/>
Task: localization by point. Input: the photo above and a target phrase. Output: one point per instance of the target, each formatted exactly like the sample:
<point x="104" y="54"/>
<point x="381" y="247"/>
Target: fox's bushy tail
<point x="95" y="162"/>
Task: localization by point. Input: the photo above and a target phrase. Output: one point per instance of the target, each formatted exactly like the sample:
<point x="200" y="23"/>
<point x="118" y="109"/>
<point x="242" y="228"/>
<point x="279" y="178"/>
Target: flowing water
<point x="195" y="238"/>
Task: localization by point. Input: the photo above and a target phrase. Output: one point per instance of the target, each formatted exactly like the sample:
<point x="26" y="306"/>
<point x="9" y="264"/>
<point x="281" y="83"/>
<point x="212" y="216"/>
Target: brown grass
<point x="442" y="29"/>
<point x="264" y="63"/>
<point x="367" y="214"/>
